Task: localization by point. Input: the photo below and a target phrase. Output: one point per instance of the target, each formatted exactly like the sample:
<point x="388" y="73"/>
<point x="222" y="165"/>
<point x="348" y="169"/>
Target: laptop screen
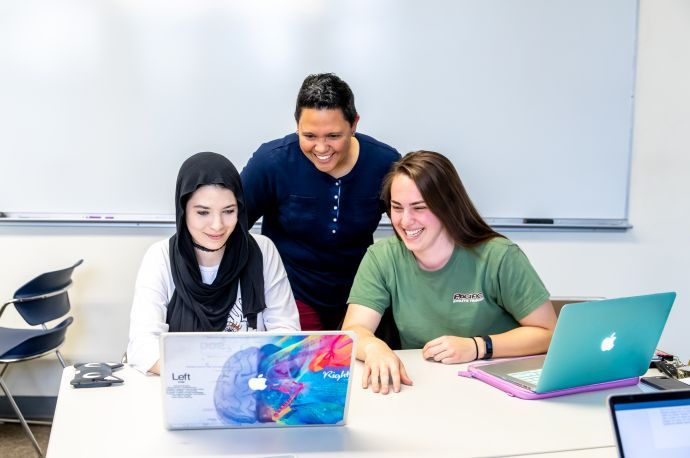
<point x="652" y="424"/>
<point x="231" y="380"/>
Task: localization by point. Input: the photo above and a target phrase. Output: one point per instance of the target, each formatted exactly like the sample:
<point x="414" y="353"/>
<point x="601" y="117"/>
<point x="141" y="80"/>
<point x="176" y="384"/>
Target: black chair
<point x="40" y="301"/>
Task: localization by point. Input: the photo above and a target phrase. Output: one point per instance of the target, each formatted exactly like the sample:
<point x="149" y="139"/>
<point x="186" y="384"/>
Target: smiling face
<point x="326" y="139"/>
<point x="211" y="216"/>
<point x="420" y="230"/>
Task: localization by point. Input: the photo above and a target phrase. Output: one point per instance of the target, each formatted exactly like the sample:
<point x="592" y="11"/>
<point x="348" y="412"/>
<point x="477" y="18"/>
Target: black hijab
<point x="194" y="305"/>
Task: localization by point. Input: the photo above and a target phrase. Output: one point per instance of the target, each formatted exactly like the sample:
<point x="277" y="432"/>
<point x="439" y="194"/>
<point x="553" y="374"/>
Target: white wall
<point x="649" y="258"/>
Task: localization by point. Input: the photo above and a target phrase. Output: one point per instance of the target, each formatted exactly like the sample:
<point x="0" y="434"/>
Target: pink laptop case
<point x="475" y="371"/>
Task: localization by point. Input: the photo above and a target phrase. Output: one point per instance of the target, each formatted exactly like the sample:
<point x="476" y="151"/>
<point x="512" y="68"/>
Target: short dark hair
<point x="326" y="91"/>
<point x="440" y="186"/>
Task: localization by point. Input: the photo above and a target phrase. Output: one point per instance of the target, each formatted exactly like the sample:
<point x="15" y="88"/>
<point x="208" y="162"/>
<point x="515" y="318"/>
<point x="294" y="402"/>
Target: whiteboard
<point x="101" y="101"/>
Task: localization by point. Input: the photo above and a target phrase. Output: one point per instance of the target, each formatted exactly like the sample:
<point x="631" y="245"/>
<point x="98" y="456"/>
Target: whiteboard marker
<point x="537" y="221"/>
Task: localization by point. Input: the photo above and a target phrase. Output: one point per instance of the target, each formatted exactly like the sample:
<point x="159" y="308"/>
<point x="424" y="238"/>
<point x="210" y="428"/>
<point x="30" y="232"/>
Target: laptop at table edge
<point x="260" y="334"/>
<point x="641" y="398"/>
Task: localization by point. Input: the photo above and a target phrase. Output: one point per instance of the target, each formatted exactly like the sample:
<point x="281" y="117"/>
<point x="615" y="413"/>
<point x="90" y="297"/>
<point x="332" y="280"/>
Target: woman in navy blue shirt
<point x="318" y="193"/>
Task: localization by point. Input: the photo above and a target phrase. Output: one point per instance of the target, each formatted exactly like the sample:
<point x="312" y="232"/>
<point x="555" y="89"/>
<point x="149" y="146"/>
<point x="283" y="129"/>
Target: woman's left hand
<point x="450" y="350"/>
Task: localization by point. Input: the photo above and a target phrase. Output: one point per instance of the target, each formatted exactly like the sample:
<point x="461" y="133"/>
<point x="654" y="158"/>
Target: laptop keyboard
<point x="527" y="376"/>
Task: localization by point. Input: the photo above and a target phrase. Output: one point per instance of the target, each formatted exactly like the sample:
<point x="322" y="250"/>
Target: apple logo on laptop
<point x="608" y="343"/>
<point x="257" y="383"/>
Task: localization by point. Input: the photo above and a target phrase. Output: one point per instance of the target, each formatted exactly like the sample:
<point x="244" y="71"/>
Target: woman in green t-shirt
<point x="458" y="289"/>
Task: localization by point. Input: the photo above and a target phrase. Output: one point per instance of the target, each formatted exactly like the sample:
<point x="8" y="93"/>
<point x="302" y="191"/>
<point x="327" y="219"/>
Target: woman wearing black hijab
<point x="212" y="274"/>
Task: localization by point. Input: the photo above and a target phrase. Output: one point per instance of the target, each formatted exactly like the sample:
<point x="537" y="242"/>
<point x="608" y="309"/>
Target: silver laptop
<point x="652" y="424"/>
<point x="593" y="343"/>
<point x="256" y="379"/>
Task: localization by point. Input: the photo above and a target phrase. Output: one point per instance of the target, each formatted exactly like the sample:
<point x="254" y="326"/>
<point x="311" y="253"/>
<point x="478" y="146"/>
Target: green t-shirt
<point x="480" y="291"/>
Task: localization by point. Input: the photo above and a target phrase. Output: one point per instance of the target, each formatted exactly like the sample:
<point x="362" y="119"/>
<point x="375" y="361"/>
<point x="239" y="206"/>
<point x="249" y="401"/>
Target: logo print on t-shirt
<point x="468" y="297"/>
<point x="236" y="321"/>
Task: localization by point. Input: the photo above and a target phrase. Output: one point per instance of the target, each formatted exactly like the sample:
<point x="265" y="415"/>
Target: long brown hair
<point x="444" y="194"/>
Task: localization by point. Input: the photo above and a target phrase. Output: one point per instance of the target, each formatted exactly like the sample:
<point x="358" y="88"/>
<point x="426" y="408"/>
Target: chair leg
<point x="62" y="360"/>
<point x="27" y="430"/>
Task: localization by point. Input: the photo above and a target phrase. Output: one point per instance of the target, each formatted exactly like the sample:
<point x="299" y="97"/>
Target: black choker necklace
<point x="207" y="250"/>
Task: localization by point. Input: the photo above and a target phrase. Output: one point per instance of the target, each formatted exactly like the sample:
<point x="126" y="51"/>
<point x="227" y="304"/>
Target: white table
<point x="441" y="415"/>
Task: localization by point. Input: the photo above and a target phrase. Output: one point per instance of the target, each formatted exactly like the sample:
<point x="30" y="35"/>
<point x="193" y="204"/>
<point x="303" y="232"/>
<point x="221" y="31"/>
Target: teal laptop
<point x="593" y="343"/>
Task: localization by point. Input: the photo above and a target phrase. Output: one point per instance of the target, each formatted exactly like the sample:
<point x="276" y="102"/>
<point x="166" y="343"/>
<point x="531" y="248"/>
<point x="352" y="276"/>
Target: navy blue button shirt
<point x="321" y="225"/>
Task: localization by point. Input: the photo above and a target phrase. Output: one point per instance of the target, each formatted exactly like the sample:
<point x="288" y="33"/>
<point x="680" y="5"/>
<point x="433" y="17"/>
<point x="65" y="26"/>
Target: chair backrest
<point x="47" y="283"/>
<point x="559" y="301"/>
<point x="45" y="297"/>
<point x="45" y="309"/>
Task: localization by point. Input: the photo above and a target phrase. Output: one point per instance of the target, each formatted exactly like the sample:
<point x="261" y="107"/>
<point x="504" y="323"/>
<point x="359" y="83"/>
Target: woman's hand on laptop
<point x="383" y="368"/>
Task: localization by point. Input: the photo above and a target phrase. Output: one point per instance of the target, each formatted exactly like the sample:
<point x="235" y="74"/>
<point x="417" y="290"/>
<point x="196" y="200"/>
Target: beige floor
<point x="15" y="444"/>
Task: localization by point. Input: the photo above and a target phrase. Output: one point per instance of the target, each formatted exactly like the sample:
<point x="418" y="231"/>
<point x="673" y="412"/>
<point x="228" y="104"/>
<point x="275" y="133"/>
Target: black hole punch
<point x="99" y="374"/>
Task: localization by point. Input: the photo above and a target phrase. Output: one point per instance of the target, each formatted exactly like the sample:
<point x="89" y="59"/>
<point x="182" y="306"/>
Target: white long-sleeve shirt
<point x="154" y="288"/>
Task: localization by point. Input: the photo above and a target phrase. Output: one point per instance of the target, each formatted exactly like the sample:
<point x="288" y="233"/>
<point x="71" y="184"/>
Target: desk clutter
<point x="675" y="374"/>
<point x="93" y="375"/>
<point x="670" y="365"/>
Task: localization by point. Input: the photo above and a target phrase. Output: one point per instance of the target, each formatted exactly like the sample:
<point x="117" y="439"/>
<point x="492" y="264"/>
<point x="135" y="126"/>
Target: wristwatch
<point x="489" y="347"/>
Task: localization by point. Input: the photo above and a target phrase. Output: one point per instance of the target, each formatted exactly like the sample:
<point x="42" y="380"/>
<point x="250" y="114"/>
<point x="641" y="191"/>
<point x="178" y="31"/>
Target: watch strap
<point x="489" y="353"/>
